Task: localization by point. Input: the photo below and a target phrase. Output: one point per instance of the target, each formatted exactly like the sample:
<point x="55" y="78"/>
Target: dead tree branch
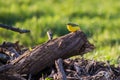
<point x="14" y="29"/>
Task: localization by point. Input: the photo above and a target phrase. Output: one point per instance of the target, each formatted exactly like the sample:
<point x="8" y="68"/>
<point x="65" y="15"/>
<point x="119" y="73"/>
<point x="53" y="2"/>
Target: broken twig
<point x="61" y="72"/>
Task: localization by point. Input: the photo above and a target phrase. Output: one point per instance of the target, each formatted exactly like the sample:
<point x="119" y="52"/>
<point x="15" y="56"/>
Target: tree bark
<point x="45" y="55"/>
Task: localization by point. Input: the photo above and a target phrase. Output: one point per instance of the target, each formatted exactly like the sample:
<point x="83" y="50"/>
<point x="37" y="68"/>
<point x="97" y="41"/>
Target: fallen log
<point x="42" y="56"/>
<point x="5" y="67"/>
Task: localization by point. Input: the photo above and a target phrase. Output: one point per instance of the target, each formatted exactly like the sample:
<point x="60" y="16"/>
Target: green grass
<point x="99" y="19"/>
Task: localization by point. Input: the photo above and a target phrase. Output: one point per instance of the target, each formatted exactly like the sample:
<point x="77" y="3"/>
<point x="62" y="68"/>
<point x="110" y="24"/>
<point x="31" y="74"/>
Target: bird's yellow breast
<point x="72" y="29"/>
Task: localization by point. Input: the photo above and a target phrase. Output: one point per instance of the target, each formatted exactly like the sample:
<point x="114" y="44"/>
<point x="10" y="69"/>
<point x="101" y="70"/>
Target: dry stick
<point x="50" y="35"/>
<point x="60" y="69"/>
<point x="17" y="77"/>
<point x="72" y="78"/>
<point x="14" y="29"/>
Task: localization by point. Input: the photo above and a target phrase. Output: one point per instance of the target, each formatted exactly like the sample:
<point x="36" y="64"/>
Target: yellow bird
<point x="73" y="27"/>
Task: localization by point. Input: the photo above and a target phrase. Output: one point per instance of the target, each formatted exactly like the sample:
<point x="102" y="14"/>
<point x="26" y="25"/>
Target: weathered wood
<point x="6" y="67"/>
<point x="7" y="76"/>
<point x="61" y="72"/>
<point x="44" y="55"/>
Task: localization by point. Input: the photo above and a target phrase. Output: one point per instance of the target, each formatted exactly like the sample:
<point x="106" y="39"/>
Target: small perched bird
<point x="73" y="27"/>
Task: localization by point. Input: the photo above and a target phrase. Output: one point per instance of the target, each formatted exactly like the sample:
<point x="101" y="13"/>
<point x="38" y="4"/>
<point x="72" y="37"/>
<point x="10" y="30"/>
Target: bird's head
<point x="72" y="24"/>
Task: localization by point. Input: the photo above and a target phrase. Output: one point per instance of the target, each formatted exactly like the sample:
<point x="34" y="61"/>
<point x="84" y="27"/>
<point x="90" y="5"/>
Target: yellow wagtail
<point x="73" y="27"/>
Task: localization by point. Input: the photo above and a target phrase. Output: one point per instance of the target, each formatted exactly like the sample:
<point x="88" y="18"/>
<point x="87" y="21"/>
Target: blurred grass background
<point x="99" y="19"/>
